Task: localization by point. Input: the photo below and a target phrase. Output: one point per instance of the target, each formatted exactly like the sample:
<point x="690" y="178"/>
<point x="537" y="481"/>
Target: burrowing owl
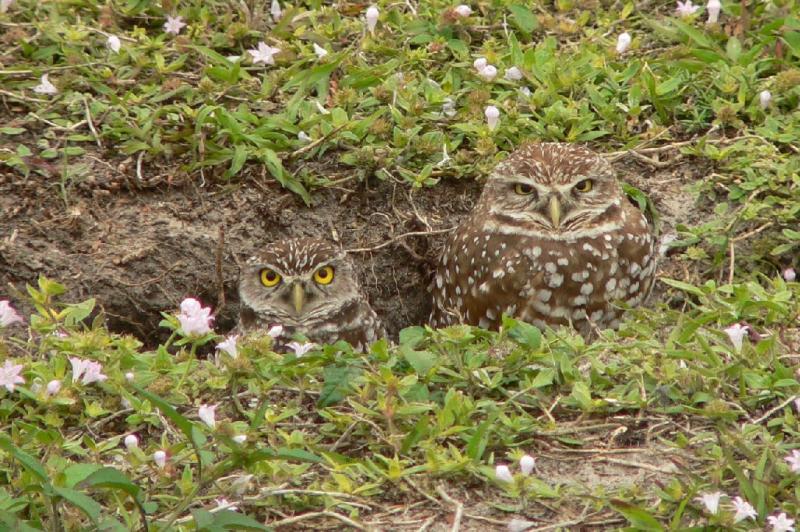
<point x="307" y="286"/>
<point x="552" y="241"/>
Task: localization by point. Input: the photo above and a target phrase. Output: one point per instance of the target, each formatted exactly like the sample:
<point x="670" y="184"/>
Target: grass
<point x="661" y="412"/>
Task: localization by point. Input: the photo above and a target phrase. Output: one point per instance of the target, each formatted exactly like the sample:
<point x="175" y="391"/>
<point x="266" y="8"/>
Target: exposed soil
<point x="140" y="249"/>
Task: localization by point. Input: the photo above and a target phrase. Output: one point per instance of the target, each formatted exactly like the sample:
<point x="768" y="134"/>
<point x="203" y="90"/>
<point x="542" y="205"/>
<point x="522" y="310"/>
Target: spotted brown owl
<point x="552" y="240"/>
<point x="306" y="286"/>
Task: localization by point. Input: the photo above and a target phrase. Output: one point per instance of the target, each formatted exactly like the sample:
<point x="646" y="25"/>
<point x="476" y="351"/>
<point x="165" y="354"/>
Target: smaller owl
<point x="307" y="286"/>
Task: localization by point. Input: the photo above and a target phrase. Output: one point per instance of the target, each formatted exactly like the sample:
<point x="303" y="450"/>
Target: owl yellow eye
<point x="324" y="275"/>
<point x="269" y="278"/>
<point x="523" y="189"/>
<point x="584" y="186"/>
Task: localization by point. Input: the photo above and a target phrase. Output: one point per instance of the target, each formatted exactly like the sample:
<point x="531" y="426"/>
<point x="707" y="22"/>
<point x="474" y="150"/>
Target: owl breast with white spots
<point x="552" y="241"/>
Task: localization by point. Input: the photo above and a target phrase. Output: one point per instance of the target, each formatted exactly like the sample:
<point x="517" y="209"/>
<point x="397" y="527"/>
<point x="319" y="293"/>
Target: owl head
<point x="296" y="281"/>
<point x="551" y="188"/>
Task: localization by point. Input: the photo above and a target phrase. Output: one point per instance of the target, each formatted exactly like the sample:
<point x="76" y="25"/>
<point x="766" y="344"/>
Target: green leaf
<point x="29" y="462"/>
<point x="108" y="477"/>
<point x="224" y="520"/>
<point x="458" y="47"/>
<point x="525" y="334"/>
<point x="421" y="361"/>
<point x="78" y="312"/>
<point x="83" y="502"/>
<point x="75" y="473"/>
<point x="639" y="518"/>
<point x="412" y="336"/>
<point x="50" y="287"/>
<point x="686" y="287"/>
<point x="275" y="167"/>
<point x="791" y="234"/>
<point x="283" y="453"/>
<point x="695" y="35"/>
<point x="792" y="40"/>
<point x="539" y="488"/>
<point x="416" y="434"/>
<point x="237" y="162"/>
<point x="582" y="395"/>
<point x="477" y="443"/>
<point x="337" y="384"/>
<point x="545" y="377"/>
<point x="733" y="48"/>
<point x="523" y="18"/>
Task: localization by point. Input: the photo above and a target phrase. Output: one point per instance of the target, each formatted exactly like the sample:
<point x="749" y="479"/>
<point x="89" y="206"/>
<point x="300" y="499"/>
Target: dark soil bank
<point x="140" y="250"/>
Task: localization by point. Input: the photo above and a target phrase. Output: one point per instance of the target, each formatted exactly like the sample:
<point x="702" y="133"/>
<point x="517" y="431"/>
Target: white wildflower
<point x="301" y="349"/>
<point x="736" y="333"/>
<point x="207" y="414"/>
<point x="275" y="10"/>
<point x="793" y="459"/>
<point x="513" y="74"/>
<point x="781" y="523"/>
<point x="229" y="346"/>
<point x="53" y="387"/>
<point x="764" y="98"/>
<point x="463" y="10"/>
<point x="686" y="8"/>
<point x="492" y="116"/>
<point x="10" y="375"/>
<point x="713" y="7"/>
<point x="93" y="372"/>
<point x="160" y="458"/>
<point x="623" y="42"/>
<point x="744" y="510"/>
<point x="320" y="51"/>
<point x="503" y="473"/>
<point x="711" y="501"/>
<point x="174" y="25"/>
<point x="195" y="319"/>
<point x="8" y="315"/>
<point x="223" y="504"/>
<point x="488" y="73"/>
<point x="526" y="464"/>
<point x="372" y="18"/>
<point x="263" y="54"/>
<point x="114" y="44"/>
<point x="45" y="87"/>
<point x="480" y="63"/>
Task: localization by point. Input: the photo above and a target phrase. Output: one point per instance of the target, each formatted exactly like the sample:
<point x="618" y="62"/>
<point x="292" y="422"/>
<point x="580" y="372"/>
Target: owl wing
<point x="482" y="279"/>
<point x="499" y="288"/>
<point x="356" y="323"/>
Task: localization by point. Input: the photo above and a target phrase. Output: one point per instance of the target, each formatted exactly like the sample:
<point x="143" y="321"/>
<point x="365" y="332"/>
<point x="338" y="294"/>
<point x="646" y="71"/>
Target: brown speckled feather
<point x="510" y="257"/>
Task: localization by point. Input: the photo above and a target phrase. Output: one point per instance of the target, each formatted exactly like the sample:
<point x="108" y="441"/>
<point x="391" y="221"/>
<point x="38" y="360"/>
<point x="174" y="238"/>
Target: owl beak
<point x="555" y="211"/>
<point x="298" y="297"/>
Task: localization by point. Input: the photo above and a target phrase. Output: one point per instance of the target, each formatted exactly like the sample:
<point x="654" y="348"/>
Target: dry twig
<point x="459" y="508"/>
<point x="314" y="515"/>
